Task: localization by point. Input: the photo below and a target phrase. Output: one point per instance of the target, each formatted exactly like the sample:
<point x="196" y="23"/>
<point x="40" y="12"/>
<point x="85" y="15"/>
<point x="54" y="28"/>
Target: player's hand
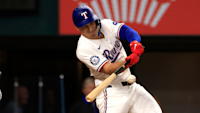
<point x="136" y="47"/>
<point x="134" y="58"/>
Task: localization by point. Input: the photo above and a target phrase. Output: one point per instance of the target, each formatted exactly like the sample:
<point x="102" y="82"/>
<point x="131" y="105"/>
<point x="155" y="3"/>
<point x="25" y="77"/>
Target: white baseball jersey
<point x="118" y="98"/>
<point x="96" y="52"/>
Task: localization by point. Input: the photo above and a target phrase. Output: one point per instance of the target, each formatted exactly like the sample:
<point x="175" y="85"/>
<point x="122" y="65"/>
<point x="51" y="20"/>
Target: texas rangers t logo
<point x="84" y="14"/>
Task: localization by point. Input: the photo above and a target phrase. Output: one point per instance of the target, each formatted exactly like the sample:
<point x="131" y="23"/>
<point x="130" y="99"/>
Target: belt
<point x="123" y="84"/>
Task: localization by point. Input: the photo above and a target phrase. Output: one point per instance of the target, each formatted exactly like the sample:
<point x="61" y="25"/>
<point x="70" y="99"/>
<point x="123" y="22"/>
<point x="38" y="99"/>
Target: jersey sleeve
<point x="112" y="26"/>
<point x="92" y="59"/>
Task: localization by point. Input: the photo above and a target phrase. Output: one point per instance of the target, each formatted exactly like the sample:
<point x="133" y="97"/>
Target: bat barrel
<point x="90" y="97"/>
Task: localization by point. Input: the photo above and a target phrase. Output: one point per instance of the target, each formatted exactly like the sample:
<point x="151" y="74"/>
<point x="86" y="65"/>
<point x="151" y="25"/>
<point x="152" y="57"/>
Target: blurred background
<point x="38" y="43"/>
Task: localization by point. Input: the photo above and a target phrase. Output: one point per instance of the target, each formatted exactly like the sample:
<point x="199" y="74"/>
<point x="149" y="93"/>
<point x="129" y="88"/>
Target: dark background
<point x="30" y="47"/>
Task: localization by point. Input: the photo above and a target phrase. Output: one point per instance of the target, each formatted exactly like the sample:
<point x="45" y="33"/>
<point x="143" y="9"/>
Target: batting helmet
<point x="83" y="15"/>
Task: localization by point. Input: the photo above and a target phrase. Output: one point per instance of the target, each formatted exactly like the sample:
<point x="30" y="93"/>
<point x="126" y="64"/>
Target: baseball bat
<point x="92" y="95"/>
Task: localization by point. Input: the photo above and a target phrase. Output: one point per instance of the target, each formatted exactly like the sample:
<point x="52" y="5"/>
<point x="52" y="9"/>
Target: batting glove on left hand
<point x="136" y="47"/>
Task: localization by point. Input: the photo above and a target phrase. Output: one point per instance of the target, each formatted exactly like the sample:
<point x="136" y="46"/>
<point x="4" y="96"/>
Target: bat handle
<point x="127" y="62"/>
<point x="122" y="67"/>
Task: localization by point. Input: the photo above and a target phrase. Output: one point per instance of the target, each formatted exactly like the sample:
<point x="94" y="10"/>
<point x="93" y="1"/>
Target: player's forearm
<point x="109" y="68"/>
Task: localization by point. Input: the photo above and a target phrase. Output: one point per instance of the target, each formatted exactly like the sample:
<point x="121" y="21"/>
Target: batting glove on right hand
<point x="134" y="58"/>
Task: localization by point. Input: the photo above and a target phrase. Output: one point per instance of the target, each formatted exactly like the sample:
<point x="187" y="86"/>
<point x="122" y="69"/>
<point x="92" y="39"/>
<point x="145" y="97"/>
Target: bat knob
<point x="88" y="99"/>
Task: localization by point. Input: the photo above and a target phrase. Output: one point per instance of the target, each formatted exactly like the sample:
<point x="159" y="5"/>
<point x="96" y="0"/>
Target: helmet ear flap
<point x="98" y="23"/>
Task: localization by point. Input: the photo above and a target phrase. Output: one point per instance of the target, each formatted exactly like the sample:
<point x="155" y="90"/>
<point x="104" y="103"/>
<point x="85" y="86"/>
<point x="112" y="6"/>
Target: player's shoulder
<point x="106" y="24"/>
<point x="110" y="23"/>
<point x="106" y="21"/>
<point x="83" y="45"/>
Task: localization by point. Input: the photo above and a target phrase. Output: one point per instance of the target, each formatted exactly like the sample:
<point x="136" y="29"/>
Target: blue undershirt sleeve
<point x="127" y="33"/>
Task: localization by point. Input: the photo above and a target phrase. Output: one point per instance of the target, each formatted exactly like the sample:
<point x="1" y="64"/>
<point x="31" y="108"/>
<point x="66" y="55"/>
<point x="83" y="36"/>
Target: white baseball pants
<point x="127" y="99"/>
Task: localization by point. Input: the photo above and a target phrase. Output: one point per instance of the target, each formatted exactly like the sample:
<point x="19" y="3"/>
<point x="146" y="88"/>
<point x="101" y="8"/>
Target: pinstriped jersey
<point x="95" y="53"/>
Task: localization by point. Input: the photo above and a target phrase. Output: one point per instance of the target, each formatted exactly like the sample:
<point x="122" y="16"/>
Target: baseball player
<point x="100" y="49"/>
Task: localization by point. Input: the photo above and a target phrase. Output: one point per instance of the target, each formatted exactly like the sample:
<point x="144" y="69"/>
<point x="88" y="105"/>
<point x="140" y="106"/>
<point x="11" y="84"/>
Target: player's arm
<point x="110" y="68"/>
<point x="127" y="33"/>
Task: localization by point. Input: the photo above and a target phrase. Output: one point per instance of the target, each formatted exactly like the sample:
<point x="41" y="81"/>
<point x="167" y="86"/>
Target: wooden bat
<point x="92" y="95"/>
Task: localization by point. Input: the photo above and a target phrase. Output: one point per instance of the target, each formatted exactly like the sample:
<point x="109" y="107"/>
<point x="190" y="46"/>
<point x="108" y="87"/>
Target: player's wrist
<point x="132" y="43"/>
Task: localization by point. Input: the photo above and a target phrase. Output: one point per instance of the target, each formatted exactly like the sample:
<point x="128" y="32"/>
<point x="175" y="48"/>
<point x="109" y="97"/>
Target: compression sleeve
<point x="127" y="33"/>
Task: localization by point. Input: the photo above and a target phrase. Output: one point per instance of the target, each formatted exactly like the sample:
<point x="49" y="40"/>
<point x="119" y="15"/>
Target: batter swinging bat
<point x="92" y="95"/>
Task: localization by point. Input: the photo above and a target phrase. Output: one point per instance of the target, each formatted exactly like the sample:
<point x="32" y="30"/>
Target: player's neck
<point x="98" y="37"/>
<point x="101" y="36"/>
